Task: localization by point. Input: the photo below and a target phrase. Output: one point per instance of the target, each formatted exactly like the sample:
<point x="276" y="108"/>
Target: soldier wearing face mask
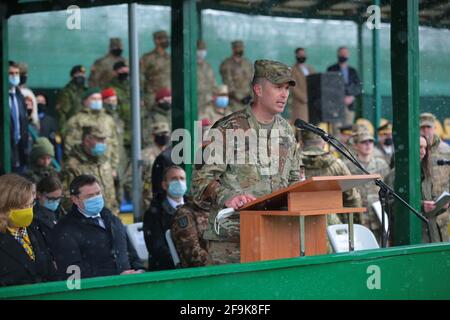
<point x="237" y="73"/>
<point x="89" y="157"/>
<point x="155" y="68"/>
<point x="102" y="69"/>
<point x="205" y="78"/>
<point x="69" y="100"/>
<point x="93" y="113"/>
<point x="385" y="145"/>
<point x="161" y="112"/>
<point x="219" y="107"/>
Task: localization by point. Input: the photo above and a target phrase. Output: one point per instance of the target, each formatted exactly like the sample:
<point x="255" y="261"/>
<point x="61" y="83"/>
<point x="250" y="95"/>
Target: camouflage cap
<point x="309" y="136"/>
<point x="362" y="122"/>
<point x="160" y="34"/>
<point x="221" y="90"/>
<point x="363" y="135"/>
<point x="427" y="120"/>
<point x="201" y="45"/>
<point x="41" y="147"/>
<point x="385" y="127"/>
<point x="274" y="71"/>
<point x="97" y="131"/>
<point x="238" y="44"/>
<point x="160" y="127"/>
<point x="115" y="43"/>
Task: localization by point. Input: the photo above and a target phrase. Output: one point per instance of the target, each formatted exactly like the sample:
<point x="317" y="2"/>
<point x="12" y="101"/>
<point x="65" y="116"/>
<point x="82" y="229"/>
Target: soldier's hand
<point x="238" y="201"/>
<point x="428" y="206"/>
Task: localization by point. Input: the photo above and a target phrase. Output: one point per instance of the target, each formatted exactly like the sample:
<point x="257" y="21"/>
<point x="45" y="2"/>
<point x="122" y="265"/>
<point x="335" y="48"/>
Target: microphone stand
<point x="385" y="190"/>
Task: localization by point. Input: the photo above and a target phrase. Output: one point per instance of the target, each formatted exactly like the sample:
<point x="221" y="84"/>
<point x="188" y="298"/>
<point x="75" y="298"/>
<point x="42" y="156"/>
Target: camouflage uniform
<point x="189" y="223"/>
<point x="155" y="74"/>
<point x="214" y="114"/>
<point x="88" y="117"/>
<point x="122" y="89"/>
<point x="369" y="191"/>
<point x="441" y="179"/>
<point x="79" y="162"/>
<point x="205" y="85"/>
<point x="102" y="69"/>
<point x="238" y="77"/>
<point x="68" y="103"/>
<point x="317" y="163"/>
<point x="213" y="184"/>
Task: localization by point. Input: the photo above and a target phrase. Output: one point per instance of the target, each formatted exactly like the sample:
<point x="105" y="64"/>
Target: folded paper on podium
<point x="270" y="225"/>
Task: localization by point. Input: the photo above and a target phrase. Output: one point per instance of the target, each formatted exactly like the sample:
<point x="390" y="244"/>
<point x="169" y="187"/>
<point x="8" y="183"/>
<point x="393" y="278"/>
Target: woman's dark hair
<point x="426" y="161"/>
<point x="49" y="184"/>
<point x="81" y="181"/>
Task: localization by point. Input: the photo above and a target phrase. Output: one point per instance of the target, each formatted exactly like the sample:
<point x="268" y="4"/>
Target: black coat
<point x="157" y="220"/>
<point x="19" y="151"/>
<point x="98" y="251"/>
<point x="15" y="265"/>
<point x="45" y="220"/>
<point x="162" y="161"/>
<point x="353" y="86"/>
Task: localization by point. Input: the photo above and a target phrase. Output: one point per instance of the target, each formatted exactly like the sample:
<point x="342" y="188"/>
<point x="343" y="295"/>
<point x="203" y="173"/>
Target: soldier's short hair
<point x="13" y="64"/>
<point x="81" y="181"/>
<point x="172" y="167"/>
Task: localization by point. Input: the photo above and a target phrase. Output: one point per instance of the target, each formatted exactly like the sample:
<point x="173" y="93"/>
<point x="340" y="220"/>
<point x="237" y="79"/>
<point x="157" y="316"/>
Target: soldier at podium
<point x="224" y="183"/>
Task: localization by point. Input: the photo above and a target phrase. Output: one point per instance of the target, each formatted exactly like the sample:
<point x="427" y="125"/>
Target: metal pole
<point x="360" y="45"/>
<point x="405" y="101"/>
<point x="5" y="150"/>
<point x="376" y="77"/>
<point x="302" y="236"/>
<point x="135" y="111"/>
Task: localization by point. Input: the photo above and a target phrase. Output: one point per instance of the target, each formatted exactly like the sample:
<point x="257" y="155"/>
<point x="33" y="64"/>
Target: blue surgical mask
<point x="99" y="149"/>
<point x="201" y="54"/>
<point x="52" y="205"/>
<point x="14" y="80"/>
<point x="177" y="188"/>
<point x="222" y="101"/>
<point x="93" y="206"/>
<point x="96" y="105"/>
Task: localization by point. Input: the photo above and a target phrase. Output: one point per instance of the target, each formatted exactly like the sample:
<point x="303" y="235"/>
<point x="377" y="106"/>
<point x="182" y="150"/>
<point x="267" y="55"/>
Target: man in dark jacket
<point x="91" y="237"/>
<point x="351" y="80"/>
<point x="158" y="218"/>
<point x="18" y="120"/>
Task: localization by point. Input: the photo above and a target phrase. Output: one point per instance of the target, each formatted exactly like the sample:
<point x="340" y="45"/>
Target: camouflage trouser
<point x="442" y="221"/>
<point x="224" y="252"/>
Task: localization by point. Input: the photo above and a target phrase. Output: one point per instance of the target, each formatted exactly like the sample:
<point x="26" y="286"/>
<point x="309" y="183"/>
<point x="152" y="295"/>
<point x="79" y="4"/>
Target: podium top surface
<point x="314" y="184"/>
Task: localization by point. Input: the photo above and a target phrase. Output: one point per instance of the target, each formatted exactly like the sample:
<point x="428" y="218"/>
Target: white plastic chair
<point x="376" y="206"/>
<point x="363" y="237"/>
<point x="172" y="249"/>
<point x="136" y="235"/>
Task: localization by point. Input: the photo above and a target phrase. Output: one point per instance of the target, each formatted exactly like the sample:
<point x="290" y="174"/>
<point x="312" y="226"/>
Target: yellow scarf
<point x="21" y="235"/>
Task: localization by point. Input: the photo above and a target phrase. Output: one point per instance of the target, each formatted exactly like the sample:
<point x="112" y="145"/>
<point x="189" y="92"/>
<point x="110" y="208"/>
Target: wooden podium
<point x="292" y="222"/>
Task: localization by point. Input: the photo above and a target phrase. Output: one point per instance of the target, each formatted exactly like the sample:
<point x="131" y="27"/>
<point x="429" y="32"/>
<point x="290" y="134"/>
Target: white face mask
<point x="201" y="54"/>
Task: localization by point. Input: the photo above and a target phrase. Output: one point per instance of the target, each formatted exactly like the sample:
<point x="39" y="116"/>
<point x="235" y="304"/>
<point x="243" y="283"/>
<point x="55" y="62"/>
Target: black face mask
<point x="29" y="112"/>
<point x="79" y="80"/>
<point x="122" y="76"/>
<point x="41" y="108"/>
<point x="162" y="139"/>
<point x="164" y="106"/>
<point x="116" y="52"/>
<point x="239" y="53"/>
<point x="388" y="142"/>
<point x="342" y="59"/>
<point x="301" y="59"/>
<point x="164" y="44"/>
<point x="23" y="79"/>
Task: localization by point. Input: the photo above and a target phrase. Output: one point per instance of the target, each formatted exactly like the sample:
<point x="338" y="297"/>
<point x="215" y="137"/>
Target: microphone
<point x="299" y="123"/>
<point x="443" y="162"/>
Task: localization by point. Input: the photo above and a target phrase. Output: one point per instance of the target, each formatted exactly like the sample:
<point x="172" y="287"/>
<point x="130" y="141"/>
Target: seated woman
<point x="428" y="196"/>
<point x="24" y="257"/>
<point x="47" y="209"/>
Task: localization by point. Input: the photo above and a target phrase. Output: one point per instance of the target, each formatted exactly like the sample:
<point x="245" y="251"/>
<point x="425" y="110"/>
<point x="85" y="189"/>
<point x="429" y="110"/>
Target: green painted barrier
<point x="409" y="272"/>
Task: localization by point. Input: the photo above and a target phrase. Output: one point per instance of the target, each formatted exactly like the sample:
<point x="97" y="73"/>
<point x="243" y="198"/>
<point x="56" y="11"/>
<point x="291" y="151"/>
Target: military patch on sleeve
<point x="183" y="222"/>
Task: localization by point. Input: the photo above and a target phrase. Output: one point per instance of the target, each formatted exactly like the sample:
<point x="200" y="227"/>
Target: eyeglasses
<point x="54" y="198"/>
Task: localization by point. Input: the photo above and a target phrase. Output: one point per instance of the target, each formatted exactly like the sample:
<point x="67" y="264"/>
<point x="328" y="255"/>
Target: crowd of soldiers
<point x="95" y="134"/>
